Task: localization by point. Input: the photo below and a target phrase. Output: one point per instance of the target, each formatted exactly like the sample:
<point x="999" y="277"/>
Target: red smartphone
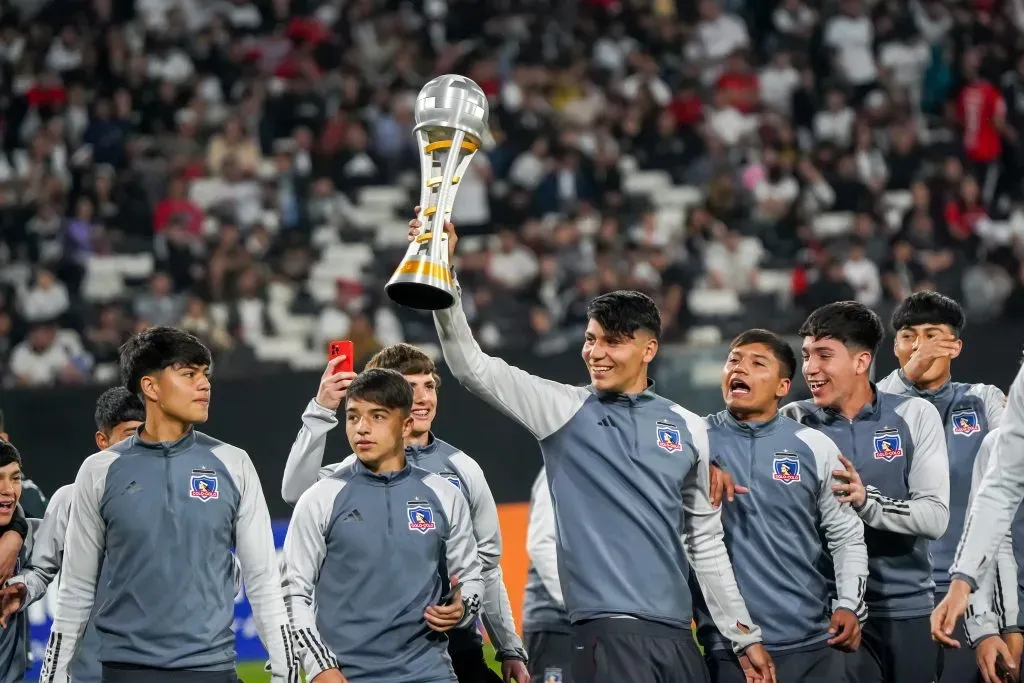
<point x="342" y="347"/>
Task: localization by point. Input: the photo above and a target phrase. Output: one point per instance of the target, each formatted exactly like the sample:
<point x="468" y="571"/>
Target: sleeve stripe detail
<point x="324" y="659"/>
<point x="290" y="657"/>
<point x="52" y="655"/>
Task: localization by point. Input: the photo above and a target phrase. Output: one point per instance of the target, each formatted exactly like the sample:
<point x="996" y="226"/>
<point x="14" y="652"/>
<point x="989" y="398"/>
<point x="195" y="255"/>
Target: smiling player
<point x="619" y="453"/>
<point x="896" y="476"/>
<point x="14" y="636"/>
<point x="788" y="471"/>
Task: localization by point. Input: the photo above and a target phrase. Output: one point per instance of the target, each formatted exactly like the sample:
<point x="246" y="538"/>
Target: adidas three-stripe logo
<point x="352" y="516"/>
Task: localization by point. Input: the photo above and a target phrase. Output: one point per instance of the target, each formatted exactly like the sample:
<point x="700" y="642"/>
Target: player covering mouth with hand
<point x="787" y="469"/>
<point x="928" y="328"/>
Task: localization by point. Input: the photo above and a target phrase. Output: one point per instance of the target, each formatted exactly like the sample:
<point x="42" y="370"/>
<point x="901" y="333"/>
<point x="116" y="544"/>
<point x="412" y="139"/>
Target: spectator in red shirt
<point x="738" y="85"/>
<point x="177" y="205"/>
<point x="964" y="213"/>
<point x="687" y="105"/>
<point x="981" y="111"/>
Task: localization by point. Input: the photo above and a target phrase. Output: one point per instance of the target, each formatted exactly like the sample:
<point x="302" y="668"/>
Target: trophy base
<point x="421" y="296"/>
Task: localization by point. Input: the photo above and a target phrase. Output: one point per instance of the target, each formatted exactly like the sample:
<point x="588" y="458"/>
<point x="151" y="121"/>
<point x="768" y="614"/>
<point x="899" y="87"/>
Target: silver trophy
<point x="451" y="124"/>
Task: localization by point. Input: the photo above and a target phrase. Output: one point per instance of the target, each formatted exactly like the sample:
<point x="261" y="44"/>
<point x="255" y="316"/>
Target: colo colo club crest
<point x="203" y="485"/>
<point x="668" y="437"/>
<point x="421" y="517"/>
<point x="965" y="422"/>
<point x="786" y="468"/>
<point x="888" y="445"/>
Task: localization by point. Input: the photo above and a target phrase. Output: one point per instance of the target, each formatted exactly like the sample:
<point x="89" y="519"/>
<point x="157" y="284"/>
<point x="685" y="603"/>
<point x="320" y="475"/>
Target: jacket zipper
<point x="387" y="499"/>
<point x="636" y="429"/>
<point x="167" y="476"/>
<point x="753" y="451"/>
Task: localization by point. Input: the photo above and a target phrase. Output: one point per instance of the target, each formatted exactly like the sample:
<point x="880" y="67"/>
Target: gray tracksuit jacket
<point x="14" y="639"/>
<point x="968" y="412"/>
<point x="304" y="468"/>
<point x="896" y="444"/>
<point x="366" y="555"/>
<point x="543" y="604"/>
<point x="44" y="563"/>
<point x="629" y="480"/>
<point x="775" y="532"/>
<point x="998" y="496"/>
<point x="995" y="606"/>
<point x="162" y="518"/>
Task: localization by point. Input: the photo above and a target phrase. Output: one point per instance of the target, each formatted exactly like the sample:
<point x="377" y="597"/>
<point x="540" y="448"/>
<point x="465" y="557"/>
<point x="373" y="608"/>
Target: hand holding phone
<point x="342" y="347"/>
<point x="448" y="597"/>
<point x="1004" y="672"/>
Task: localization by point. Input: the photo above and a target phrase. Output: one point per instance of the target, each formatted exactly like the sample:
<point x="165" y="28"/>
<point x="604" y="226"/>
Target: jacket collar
<point x="167" y="447"/>
<point x="749" y="427"/>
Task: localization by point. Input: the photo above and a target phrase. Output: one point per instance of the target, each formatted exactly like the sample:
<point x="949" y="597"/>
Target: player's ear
<point x="959" y="347"/>
<point x="102" y="442"/>
<point x="783" y="387"/>
<point x="407" y="426"/>
<point x="650" y="349"/>
<point x="150" y="388"/>
<point x="863" y="362"/>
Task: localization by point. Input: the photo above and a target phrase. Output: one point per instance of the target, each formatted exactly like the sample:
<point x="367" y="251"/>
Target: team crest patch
<point x="786" y="468"/>
<point x="552" y="675"/>
<point x="203" y="485"/>
<point x="668" y="437"/>
<point x="888" y="445"/>
<point x="421" y="517"/>
<point x="965" y="422"/>
<point x="452" y="478"/>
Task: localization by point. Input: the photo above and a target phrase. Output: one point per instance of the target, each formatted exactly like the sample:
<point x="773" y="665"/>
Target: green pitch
<point x="252" y="672"/>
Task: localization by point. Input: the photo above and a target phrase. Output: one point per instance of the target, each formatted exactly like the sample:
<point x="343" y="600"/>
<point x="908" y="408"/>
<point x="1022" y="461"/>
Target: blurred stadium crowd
<point x="245" y="169"/>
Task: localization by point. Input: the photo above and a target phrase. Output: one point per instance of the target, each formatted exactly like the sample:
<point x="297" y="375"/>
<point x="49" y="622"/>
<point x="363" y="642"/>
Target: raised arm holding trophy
<point x="451" y="124"/>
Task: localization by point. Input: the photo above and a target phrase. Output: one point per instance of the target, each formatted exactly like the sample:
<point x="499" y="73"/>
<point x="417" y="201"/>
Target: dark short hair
<point x="782" y="351"/>
<point x="8" y="454"/>
<point x="624" y="312"/>
<point x="386" y="388"/>
<point x="849" y="322"/>
<point x="928" y="308"/>
<point x="159" y="348"/>
<point x="116" y="406"/>
<point x="405" y="359"/>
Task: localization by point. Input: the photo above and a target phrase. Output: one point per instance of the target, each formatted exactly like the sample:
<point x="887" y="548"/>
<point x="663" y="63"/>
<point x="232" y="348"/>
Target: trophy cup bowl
<point x="451" y="124"/>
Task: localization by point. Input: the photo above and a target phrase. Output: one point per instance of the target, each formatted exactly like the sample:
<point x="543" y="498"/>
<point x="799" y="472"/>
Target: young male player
<point x="628" y="472"/>
<point x="896" y="477"/>
<point x="305" y="466"/>
<point x="373" y="546"/>
<point x="13" y="540"/>
<point x="546" y="627"/>
<point x="33" y="501"/>
<point x="927" y="326"/>
<point x="14" y="635"/>
<point x="118" y="414"/>
<point x="161" y="510"/>
<point x="774" y="532"/>
<point x="988" y="521"/>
